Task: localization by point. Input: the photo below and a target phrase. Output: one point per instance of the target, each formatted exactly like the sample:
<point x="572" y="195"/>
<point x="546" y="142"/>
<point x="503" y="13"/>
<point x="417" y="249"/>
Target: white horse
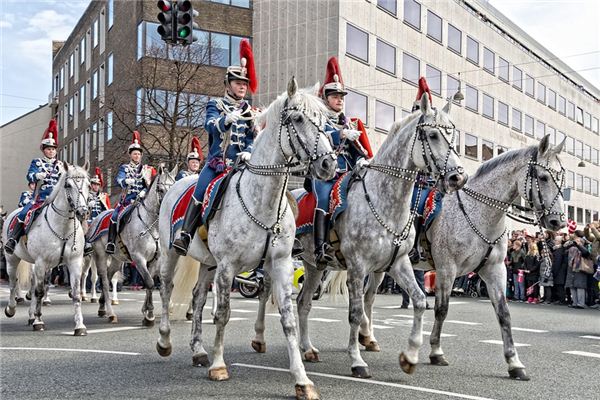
<point x="55" y="237"/>
<point x="254" y="224"/>
<point x="140" y="238"/>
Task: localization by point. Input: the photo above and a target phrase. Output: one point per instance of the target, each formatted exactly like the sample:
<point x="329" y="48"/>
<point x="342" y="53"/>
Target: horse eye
<point x="544" y="179"/>
<point x="433" y="135"/>
<point x="298" y="118"/>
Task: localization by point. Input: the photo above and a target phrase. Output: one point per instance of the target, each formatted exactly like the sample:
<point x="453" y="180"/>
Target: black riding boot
<point x="321" y="236"/>
<point x="88" y="249"/>
<point x="297" y="248"/>
<point x="415" y="253"/>
<point x="112" y="235"/>
<point x="14" y="237"/>
<point x="190" y="224"/>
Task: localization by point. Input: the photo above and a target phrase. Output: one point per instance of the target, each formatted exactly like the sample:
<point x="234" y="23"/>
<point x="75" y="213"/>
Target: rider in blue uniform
<point x="44" y="173"/>
<point x="194" y="158"/>
<point x="98" y="202"/>
<point x="27" y="195"/>
<point x="351" y="142"/>
<point x="132" y="180"/>
<point x="231" y="130"/>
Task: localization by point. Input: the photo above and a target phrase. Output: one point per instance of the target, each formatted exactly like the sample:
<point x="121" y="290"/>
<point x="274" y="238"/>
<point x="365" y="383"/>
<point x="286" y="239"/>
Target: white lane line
<point x="441" y="334"/>
<point x="501" y="343"/>
<point x="582" y="353"/>
<point x="485" y="301"/>
<point x="369" y="382"/>
<point x="322" y="308"/>
<point x="403" y="316"/>
<point x="590" y="337"/>
<point x="381" y="327"/>
<point x="390" y="307"/>
<point x="105" y="330"/>
<point x="210" y="320"/>
<point x="242" y="311"/>
<point x="128" y="353"/>
<point x="249" y="301"/>
<point x="323" y="320"/>
<point x="451" y="321"/>
<point x="273" y="314"/>
<point x="529" y="330"/>
<point x="455" y="303"/>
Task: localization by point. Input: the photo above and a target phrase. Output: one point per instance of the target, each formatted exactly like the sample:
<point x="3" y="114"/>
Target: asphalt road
<point x="559" y="346"/>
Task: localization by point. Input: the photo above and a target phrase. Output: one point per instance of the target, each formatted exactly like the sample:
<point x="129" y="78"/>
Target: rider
<point x="230" y="125"/>
<point x="27" y="195"/>
<point x="352" y="146"/>
<point x="194" y="158"/>
<point x="132" y="179"/>
<point x="43" y="172"/>
<point x="98" y="202"/>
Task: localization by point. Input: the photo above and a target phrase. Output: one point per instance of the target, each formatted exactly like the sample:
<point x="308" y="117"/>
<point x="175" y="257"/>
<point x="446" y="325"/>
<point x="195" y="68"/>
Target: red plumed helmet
<point x="136" y="142"/>
<point x="50" y="138"/>
<point x="247" y="61"/>
<point x="333" y="82"/>
<point x="98" y="178"/>
<point x="196" y="150"/>
<point x="423" y="88"/>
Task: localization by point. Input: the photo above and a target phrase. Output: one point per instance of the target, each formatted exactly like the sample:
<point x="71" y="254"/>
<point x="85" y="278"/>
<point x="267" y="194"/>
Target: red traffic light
<point x="164" y="5"/>
<point x="184" y="6"/>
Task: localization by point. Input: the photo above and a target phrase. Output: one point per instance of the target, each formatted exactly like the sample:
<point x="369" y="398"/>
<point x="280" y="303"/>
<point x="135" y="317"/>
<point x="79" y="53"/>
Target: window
<point x="71" y="108"/>
<point x="487" y="150"/>
<point x="540" y="129"/>
<point x="71" y="65"/>
<point x="595" y="191"/>
<point x="454" y="39"/>
<point x="472" y="50"/>
<point x="457" y="141"/>
<point x="94" y="135"/>
<point x="571" y="111"/>
<point x="587" y="152"/>
<point x="95" y="34"/>
<point x="434" y="26"/>
<point x="541" y="93"/>
<point x="82" y="51"/>
<point x="570" y="144"/>
<point x="357" y="43"/>
<point x="570" y="179"/>
<point x="412" y="13"/>
<point x="236" y="3"/>
<point x="579" y="182"/>
<point x="517" y="78"/>
<point x="388" y="5"/>
<point x="56" y="85"/>
<point x="471" y="146"/>
<point x="552" y="99"/>
<point x="578" y="148"/>
<point x="528" y="127"/>
<point x="516" y="119"/>
<point x="410" y="69"/>
<point x="595" y="125"/>
<point x="500" y="150"/>
<point x="587" y="185"/>
<point x="100" y="131"/>
<point x="571" y="212"/>
<point x="529" y="85"/>
<point x="235" y="50"/>
<point x="502" y="69"/>
<point x="109" y="72"/>
<point x="562" y="105"/>
<point x="62" y="77"/>
<point x="140" y="40"/>
<point x="489" y="60"/>
<point x="560" y="136"/>
<point x="472" y="98"/>
<point x="594" y="156"/>
<point x="579" y="115"/>
<point x="82" y="98"/>
<point x="503" y="113"/>
<point x="111" y="13"/>
<point x="219" y="44"/>
<point x="385" y="115"/>
<point x="95" y="84"/>
<point x="109" y="126"/>
<point x="488" y="106"/>
<point x="356" y="105"/>
<point x="451" y="86"/>
<point x="587" y="120"/>
<point x="434" y="79"/>
<point x="552" y="132"/>
<point x="386" y="57"/>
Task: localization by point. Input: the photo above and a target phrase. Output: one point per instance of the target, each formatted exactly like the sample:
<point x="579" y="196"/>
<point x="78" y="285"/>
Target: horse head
<point x="76" y="184"/>
<point x="161" y="183"/>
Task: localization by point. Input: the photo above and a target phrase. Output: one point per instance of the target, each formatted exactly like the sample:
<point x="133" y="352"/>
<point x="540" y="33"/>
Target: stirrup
<point x="297" y="248"/>
<point x="110" y="248"/>
<point x="322" y="257"/>
<point x="88" y="249"/>
<point x="10" y="245"/>
<point x="182" y="243"/>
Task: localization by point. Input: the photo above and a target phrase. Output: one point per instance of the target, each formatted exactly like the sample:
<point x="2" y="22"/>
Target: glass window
<point x="488" y="106"/>
<point x="140" y="40"/>
<point x="385" y="115"/>
<point x="356" y="105"/>
<point x="95" y="34"/>
<point x="595" y="191"/>
<point x="139" y="106"/>
<point x="82" y="51"/>
<point x="219" y="49"/>
<point x="562" y="105"/>
<point x="516" y="119"/>
<point x="503" y="113"/>
<point x="388" y="5"/>
<point x="451" y="86"/>
<point x="579" y="182"/>
<point x="570" y="144"/>
<point x="578" y="148"/>
<point x="454" y="39"/>
<point x="472" y="50"/>
<point x="579" y="115"/>
<point x="62" y="77"/>
<point x="71" y="64"/>
<point x="111" y="13"/>
<point x="541" y="92"/>
<point x="411" y="68"/>
<point x="109" y="126"/>
<point x="594" y="124"/>
<point x="357" y="42"/>
<point x="489" y="60"/>
<point x="594" y="156"/>
<point x="235" y="50"/>
<point x="517" y="78"/>
<point x="472" y="98"/>
<point x="241" y="3"/>
<point x="540" y="129"/>
<point x="571" y="212"/>
<point x="487" y="150"/>
<point x="502" y="69"/>
<point x="386" y="57"/>
<point x="500" y="150"/>
<point x="529" y="85"/>
<point x="587" y="185"/>
<point x="560" y="136"/>
<point x="587" y="120"/>
<point x="109" y="74"/>
<point x="528" y="127"/>
<point x="434" y="26"/>
<point x="95" y="84"/>
<point x="71" y="108"/>
<point x="471" y="146"/>
<point x="82" y="98"/>
<point x="552" y="99"/>
<point x="412" y="13"/>
<point x="587" y="152"/>
<point x="570" y="179"/>
<point x="434" y="79"/>
<point x="571" y="111"/>
<point x="552" y="132"/>
<point x="457" y="141"/>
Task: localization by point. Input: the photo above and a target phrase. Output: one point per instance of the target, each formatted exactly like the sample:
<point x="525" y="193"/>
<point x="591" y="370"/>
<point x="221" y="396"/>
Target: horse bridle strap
<point x="532" y="178"/>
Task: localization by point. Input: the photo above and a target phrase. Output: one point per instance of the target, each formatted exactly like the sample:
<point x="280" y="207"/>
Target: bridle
<point x="532" y="179"/>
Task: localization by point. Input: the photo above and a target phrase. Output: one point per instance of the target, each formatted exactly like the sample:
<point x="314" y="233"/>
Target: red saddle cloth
<point x="99" y="226"/>
<point x="306" y="211"/>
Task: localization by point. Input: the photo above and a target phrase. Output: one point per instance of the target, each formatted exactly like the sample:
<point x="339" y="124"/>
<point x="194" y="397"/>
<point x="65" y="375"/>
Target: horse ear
<point x="425" y="104"/>
<point x="560" y="146"/>
<point x="292" y="87"/>
<point x="544" y="145"/>
<point x="447" y="107"/>
<point x="66" y="166"/>
<point x="174" y="171"/>
<point x="86" y="165"/>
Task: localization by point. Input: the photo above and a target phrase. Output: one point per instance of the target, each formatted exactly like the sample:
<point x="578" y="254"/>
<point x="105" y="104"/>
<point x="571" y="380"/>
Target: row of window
<point x="581" y="183"/>
<point x="236" y="3"/>
<point x="583" y="216"/>
<point x="94" y="137"/>
<point x="155" y="106"/>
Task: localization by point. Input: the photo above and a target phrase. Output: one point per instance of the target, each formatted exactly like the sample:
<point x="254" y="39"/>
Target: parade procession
<point x="369" y="178"/>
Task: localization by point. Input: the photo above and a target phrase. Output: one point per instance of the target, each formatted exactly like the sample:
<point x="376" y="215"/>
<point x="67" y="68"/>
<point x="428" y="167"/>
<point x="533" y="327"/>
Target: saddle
<point x="430" y="205"/>
<point x="30" y="217"/>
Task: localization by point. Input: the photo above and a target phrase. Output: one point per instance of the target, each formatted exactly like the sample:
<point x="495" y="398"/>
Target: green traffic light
<point x="184" y="32"/>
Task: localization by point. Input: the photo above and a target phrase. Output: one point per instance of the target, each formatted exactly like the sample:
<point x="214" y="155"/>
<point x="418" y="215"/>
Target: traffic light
<point x="167" y="21"/>
<point x="185" y="22"/>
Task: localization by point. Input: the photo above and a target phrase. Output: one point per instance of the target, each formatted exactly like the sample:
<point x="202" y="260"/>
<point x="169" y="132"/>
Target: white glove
<point x="40" y="176"/>
<point x="362" y="162"/>
<point x="244" y="156"/>
<point x="233" y="117"/>
<point x="129" y="181"/>
<point x="350" y="134"/>
<point x="142" y="194"/>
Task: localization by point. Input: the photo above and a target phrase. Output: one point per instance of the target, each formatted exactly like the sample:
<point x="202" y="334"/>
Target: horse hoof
<point x="259" y="347"/>
<point x="189" y="316"/>
<point x="38" y="327"/>
<point x="28" y="297"/>
<point x="148" y="323"/>
<point x="439" y="360"/>
<point x="163" y="351"/>
<point x="70" y="294"/>
<point x="93" y="300"/>
<point x="518" y="374"/>
<point x="113" y="319"/>
<point x="361" y="372"/>
<point x="218" y="374"/>
<point x="113" y="302"/>
<point x="200" y="360"/>
<point x="80" y="332"/>
<point x="101" y="313"/>
<point x="370" y="345"/>
<point x="20" y="300"/>
<point x="46" y="302"/>
<point x="311" y="356"/>
<point x="406" y="365"/>
<point x="307" y="392"/>
<point x="9" y="312"/>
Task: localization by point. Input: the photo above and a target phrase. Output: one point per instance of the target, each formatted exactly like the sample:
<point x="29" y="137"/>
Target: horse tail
<point x="24" y="274"/>
<point x="335" y="285"/>
<point x="187" y="273"/>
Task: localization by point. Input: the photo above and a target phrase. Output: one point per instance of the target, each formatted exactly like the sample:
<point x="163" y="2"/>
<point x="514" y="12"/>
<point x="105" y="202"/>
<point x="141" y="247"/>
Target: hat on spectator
<point x="571" y="226"/>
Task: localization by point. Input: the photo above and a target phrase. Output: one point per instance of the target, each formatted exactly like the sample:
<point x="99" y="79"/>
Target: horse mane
<point x="74" y="171"/>
<point x="504" y="158"/>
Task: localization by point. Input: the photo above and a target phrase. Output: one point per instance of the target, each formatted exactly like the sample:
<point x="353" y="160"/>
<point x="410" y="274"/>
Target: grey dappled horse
<point x="55" y="237"/>
<point x="140" y="237"/>
<point x="254" y="219"/>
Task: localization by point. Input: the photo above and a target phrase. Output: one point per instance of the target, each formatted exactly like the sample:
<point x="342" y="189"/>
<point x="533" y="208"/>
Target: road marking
<point x="242" y="311"/>
<point x="105" y="330"/>
<point x="323" y="320"/>
<point x="582" y="353"/>
<point x="381" y="327"/>
<point x="403" y="316"/>
<point x="451" y="321"/>
<point x="249" y="301"/>
<point x="128" y="353"/>
<point x="369" y="382"/>
<point x="485" y="301"/>
<point x="441" y="334"/>
<point x="210" y="320"/>
<point x="529" y="330"/>
<point x="455" y="303"/>
<point x="590" y="337"/>
<point x="273" y="314"/>
<point x="501" y="342"/>
<point x="390" y="307"/>
<point x="322" y="308"/>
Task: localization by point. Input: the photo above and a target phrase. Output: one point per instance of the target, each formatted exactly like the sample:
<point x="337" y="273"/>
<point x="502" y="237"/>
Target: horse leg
<point x="443" y="288"/>
<point x="84" y="275"/>
<point x="403" y="274"/>
<point x="40" y="291"/>
<point x="94" y="297"/>
<point x="312" y="279"/>
<point x="167" y="270"/>
<point x="281" y="272"/>
<point x="223" y="280"/>
<point x="114" y="281"/>
<point x="258" y="343"/>
<point x="103" y="263"/>
<point x="366" y="334"/>
<point x="355" y="283"/>
<point x="200" y="293"/>
<point x="12" y="263"/>
<point x="148" y="307"/>
<point x="75" y="281"/>
<point x="494" y="276"/>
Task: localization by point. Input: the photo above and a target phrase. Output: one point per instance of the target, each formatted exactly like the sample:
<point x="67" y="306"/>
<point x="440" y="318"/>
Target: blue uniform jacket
<point x="25" y="198"/>
<point x="130" y="192"/>
<point x="348" y="155"/>
<point x="52" y="168"/>
<point x="183" y="173"/>
<point x="96" y="205"/>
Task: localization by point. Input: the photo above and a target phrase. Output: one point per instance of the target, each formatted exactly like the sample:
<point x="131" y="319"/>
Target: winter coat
<point x="576" y="279"/>
<point x="559" y="265"/>
<point x="532" y="264"/>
